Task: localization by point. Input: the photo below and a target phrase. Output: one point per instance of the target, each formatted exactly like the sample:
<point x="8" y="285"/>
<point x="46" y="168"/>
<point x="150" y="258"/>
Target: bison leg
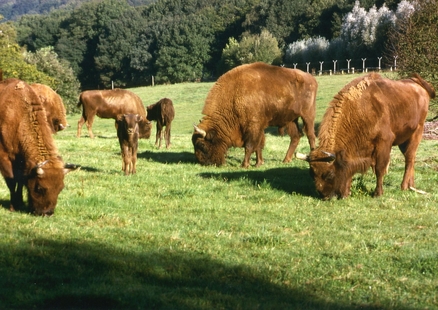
<point x="409" y="150"/>
<point x="80" y="124"/>
<point x="382" y="161"/>
<point x="158" y="135"/>
<point x="16" y="193"/>
<point x="309" y="130"/>
<point x="167" y="135"/>
<point x="89" y="125"/>
<point x="134" y="160"/>
<point x="294" y="133"/>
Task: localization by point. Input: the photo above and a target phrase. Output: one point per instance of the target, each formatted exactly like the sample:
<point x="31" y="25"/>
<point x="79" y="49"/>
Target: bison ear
<point x="70" y="167"/>
<point x="119" y="117"/>
<point x="139" y="118"/>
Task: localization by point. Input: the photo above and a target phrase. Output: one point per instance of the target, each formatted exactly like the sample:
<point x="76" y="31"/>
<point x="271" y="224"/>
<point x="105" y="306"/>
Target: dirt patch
<point x="431" y="130"/>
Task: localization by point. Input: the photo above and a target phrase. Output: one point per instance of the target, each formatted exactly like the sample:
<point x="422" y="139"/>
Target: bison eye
<point x="40" y="190"/>
<point x="328" y="176"/>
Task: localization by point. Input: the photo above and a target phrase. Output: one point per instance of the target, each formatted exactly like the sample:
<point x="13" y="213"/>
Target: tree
<point x="252" y="48"/>
<point x="64" y="82"/>
<point x="183" y="49"/>
<point x="414" y="43"/>
<point x="12" y="62"/>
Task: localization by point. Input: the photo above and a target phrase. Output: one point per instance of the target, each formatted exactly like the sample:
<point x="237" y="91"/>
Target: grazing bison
<point x="109" y="104"/>
<point x="246" y="100"/>
<point x="52" y="102"/>
<point x="163" y="113"/>
<point x="363" y="121"/>
<point x="128" y="133"/>
<point x="28" y="155"/>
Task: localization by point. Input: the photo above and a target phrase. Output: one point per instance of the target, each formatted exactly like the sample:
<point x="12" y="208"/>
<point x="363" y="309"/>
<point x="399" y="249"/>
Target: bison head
<point x="44" y="184"/>
<point x="209" y="149"/>
<point x="329" y="174"/>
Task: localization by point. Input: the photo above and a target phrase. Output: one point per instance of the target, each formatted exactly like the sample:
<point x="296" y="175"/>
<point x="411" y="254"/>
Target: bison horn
<point x="200" y="131"/>
<point x="330" y="155"/>
<point x="302" y="156"/>
<point x="39" y="169"/>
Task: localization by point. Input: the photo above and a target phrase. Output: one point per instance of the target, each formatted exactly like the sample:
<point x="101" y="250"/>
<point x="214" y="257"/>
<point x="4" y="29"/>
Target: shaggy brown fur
<point x="28" y="155"/>
<point x="246" y="100"/>
<point x="109" y="104"/>
<point x="364" y="120"/>
<point x="55" y="109"/>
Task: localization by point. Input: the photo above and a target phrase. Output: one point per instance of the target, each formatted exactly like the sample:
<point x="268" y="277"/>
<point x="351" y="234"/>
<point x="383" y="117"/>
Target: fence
<point x="346" y="66"/>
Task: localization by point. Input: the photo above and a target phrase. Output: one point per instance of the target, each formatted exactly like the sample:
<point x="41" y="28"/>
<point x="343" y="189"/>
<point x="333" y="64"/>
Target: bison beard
<point x="367" y="117"/>
<point x="244" y="102"/>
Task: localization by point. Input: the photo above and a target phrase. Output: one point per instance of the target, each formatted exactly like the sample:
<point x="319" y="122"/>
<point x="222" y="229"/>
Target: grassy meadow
<point x="178" y="235"/>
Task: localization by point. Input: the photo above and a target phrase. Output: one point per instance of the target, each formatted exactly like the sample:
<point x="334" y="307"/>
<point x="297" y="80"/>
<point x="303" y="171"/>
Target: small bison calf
<point x="163" y="113"/>
<point x="128" y="132"/>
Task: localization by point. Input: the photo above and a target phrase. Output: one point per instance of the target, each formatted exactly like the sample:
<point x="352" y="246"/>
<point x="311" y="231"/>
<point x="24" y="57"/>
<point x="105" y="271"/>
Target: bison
<point x="363" y="121"/>
<point x="55" y="109"/>
<point x="163" y="113"/>
<point x="248" y="99"/>
<point x="28" y="155"/>
<point x="109" y="104"/>
<point x="128" y="133"/>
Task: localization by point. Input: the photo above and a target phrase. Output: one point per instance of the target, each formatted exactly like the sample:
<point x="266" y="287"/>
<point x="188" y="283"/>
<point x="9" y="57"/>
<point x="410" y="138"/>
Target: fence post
<point x="380" y="62"/>
<point x="348" y="65"/>
<point x="320" y="67"/>
<point x="308" y="64"/>
<point x="334" y="66"/>
<point x="363" y="64"/>
<point x="395" y="63"/>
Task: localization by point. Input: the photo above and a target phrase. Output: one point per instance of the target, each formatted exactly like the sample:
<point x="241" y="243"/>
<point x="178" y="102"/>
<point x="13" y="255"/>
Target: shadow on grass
<point x="168" y="157"/>
<point x="47" y="274"/>
<point x="287" y="179"/>
<point x="90" y="169"/>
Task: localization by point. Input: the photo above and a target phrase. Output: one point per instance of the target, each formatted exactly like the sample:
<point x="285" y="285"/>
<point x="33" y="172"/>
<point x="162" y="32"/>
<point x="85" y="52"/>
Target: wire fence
<point x="345" y="66"/>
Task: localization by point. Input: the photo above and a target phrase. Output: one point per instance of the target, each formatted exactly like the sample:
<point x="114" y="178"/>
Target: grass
<point x="181" y="236"/>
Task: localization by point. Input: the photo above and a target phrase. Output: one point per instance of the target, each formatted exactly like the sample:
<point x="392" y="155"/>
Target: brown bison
<point x="109" y="104"/>
<point x="363" y="121"/>
<point x="55" y="109"/>
<point x="28" y="155"/>
<point x="163" y="113"/>
<point x="248" y="99"/>
<point x="127" y="132"/>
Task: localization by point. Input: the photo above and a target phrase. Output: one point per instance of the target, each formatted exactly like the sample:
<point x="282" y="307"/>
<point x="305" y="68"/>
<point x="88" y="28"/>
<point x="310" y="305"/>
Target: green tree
<point x="64" y="82"/>
<point x="12" y="62"/>
<point x="414" y="43"/>
<point x="183" y="50"/>
<point x="252" y="48"/>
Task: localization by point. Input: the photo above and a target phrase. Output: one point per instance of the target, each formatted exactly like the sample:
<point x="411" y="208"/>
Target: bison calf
<point x="128" y="133"/>
<point x="163" y="113"/>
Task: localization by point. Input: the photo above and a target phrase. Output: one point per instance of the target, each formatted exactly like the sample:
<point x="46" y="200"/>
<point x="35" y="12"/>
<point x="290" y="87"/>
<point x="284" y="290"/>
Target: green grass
<point x="181" y="236"/>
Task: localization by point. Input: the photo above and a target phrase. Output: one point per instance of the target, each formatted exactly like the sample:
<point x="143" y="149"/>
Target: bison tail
<point x="429" y="88"/>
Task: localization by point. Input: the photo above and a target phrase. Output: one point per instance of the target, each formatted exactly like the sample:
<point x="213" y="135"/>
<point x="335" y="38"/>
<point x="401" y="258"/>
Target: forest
<point x="98" y="44"/>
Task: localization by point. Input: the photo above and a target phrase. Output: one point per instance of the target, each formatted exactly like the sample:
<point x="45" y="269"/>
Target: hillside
<point x="13" y="9"/>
